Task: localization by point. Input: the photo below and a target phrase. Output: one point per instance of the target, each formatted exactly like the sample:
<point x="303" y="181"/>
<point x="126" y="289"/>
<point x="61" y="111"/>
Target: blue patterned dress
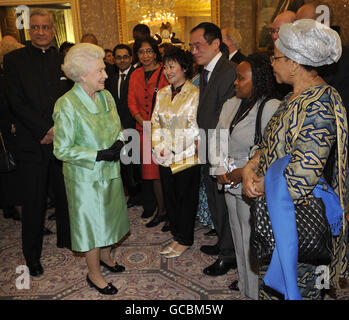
<point x="320" y="118"/>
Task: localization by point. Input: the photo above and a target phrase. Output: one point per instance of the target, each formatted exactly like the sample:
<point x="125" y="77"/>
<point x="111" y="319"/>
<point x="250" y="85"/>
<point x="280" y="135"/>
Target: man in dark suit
<point x="216" y="86"/>
<point x="232" y="38"/>
<point x="34" y="82"/>
<point x="117" y="83"/>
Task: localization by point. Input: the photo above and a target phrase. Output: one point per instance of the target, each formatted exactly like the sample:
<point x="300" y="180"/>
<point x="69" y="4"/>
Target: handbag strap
<point x="2" y="142"/>
<point x="258" y="128"/>
<point x="156" y="91"/>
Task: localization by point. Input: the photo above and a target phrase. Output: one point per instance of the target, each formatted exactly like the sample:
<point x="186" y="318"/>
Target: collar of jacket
<point x="87" y="101"/>
<point x="39" y="50"/>
<point x="185" y="88"/>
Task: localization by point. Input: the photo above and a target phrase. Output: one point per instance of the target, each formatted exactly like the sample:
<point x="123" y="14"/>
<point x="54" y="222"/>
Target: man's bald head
<point x="8" y="38"/>
<point x="307" y="11"/>
<point x="282" y="18"/>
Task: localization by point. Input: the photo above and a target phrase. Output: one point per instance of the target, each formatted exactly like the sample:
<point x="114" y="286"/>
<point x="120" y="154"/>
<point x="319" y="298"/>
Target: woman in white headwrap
<point x="309" y="127"/>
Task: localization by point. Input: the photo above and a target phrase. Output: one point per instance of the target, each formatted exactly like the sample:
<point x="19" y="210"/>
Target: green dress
<point x="97" y="206"/>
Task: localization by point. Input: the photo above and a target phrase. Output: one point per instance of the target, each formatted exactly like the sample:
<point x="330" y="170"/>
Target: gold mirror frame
<point x="74" y="5"/>
<point x="122" y="20"/>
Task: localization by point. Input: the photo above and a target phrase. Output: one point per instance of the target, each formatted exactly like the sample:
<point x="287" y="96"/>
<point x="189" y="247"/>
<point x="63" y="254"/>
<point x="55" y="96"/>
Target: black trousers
<point x="219" y="215"/>
<point x="181" y="194"/>
<point x="35" y="178"/>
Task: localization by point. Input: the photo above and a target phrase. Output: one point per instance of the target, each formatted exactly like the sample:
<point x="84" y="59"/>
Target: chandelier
<point x="155" y="12"/>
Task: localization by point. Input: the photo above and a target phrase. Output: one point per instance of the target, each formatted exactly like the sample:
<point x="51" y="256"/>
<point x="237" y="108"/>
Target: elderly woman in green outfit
<point x="88" y="139"/>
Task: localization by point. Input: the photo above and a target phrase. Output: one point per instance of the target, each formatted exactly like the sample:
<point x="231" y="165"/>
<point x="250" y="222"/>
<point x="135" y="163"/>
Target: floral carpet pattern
<point x="148" y="275"/>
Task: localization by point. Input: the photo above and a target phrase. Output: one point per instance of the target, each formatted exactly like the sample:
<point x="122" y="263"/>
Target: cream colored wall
<point x="99" y="18"/>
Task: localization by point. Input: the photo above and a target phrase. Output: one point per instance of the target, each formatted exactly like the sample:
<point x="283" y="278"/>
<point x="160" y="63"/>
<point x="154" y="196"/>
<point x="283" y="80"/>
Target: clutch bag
<point x="185" y="164"/>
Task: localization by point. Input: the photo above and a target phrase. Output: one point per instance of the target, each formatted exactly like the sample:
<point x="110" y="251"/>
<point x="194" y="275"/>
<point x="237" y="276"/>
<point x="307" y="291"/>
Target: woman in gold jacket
<point x="88" y="139"/>
<point x="175" y="134"/>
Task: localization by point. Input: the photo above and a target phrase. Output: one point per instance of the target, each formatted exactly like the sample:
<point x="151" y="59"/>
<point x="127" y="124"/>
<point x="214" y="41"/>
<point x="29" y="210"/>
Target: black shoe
<point x="219" y="267"/>
<point x="35" y="269"/>
<point x="62" y="246"/>
<point x="234" y="286"/>
<point x="108" y="290"/>
<point x="116" y="268"/>
<point x="11" y="212"/>
<point x="156" y="220"/>
<point x="131" y="203"/>
<point x="211" y="233"/>
<point x="166" y="227"/>
<point x="147" y="213"/>
<point x="52" y="217"/>
<point x="210" y="250"/>
<point x="47" y="232"/>
<point x="50" y="204"/>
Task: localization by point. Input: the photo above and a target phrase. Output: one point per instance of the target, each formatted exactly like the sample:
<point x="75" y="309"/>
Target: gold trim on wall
<point x="122" y="20"/>
<point x="74" y="5"/>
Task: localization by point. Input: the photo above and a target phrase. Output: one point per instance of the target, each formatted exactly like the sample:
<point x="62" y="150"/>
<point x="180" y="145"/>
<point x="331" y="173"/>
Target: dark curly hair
<point x="263" y="80"/>
<point x="184" y="58"/>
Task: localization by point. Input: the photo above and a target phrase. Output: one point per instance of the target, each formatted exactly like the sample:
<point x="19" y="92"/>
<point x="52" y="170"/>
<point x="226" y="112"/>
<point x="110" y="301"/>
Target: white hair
<point x="78" y="58"/>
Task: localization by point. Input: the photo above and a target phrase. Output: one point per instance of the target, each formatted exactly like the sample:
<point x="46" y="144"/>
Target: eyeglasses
<point x="45" y="28"/>
<point x="273" y="58"/>
<point x="147" y="51"/>
<point x="196" y="45"/>
<point x="274" y="30"/>
<point x="125" y="57"/>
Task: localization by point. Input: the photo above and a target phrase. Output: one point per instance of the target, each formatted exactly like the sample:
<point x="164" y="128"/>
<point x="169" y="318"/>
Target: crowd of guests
<point x="74" y="116"/>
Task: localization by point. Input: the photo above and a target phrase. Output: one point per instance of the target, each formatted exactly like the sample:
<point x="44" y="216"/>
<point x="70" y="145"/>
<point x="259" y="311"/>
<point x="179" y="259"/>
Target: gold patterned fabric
<point x="306" y="128"/>
<point x="174" y="126"/>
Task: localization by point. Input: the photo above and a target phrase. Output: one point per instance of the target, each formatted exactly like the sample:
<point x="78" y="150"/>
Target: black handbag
<point x="314" y="233"/>
<point x="7" y="162"/>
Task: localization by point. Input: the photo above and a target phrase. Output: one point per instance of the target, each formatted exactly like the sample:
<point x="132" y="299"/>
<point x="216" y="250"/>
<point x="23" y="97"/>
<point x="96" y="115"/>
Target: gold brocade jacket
<point x="174" y="126"/>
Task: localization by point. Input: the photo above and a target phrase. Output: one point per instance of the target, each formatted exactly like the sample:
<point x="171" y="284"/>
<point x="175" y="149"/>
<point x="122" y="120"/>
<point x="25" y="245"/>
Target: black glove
<point x="112" y="153"/>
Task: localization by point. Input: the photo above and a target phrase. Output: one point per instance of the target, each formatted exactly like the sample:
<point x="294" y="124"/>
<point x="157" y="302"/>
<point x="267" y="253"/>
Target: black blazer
<point x="337" y="75"/>
<point x="219" y="89"/>
<point x="238" y="57"/>
<point x="34" y="82"/>
<point x="111" y="84"/>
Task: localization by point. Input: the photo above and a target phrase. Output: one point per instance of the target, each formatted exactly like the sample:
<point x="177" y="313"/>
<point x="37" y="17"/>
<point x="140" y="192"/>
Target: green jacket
<point x="81" y="128"/>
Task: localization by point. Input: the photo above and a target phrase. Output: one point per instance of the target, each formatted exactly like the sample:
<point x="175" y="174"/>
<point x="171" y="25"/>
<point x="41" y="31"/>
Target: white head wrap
<point x="309" y="42"/>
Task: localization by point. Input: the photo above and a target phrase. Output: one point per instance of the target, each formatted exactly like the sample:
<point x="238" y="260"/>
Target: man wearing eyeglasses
<point x="34" y="82"/>
<point x="117" y="83"/>
<point x="216" y="86"/>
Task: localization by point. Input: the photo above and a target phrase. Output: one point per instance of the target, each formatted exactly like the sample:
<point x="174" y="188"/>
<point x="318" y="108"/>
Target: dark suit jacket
<point x="219" y="89"/>
<point x="238" y="57"/>
<point x="111" y="85"/>
<point x="337" y="75"/>
<point x="34" y="81"/>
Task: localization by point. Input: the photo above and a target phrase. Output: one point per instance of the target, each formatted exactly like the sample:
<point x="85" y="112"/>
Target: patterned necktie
<point x="205" y="77"/>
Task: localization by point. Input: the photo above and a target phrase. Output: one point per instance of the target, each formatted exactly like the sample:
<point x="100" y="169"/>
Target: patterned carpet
<point x="148" y="275"/>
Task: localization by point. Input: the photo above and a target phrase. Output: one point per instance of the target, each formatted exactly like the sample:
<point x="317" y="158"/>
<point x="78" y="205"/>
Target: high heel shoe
<point x="108" y="290"/>
<point x="167" y="249"/>
<point x="175" y="253"/>
<point x="117" y="268"/>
